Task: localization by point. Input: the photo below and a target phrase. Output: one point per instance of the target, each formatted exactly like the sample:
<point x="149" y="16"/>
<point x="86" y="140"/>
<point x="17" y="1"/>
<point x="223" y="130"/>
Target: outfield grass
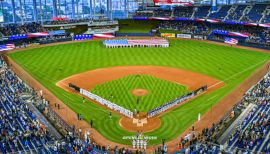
<point x="159" y="92"/>
<point x="228" y="64"/>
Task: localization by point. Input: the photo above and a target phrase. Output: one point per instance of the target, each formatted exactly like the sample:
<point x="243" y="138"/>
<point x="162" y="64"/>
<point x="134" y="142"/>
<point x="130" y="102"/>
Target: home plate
<point x="140" y="122"/>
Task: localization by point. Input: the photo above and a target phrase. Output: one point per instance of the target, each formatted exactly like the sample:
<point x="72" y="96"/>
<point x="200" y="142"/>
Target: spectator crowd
<point x="252" y="134"/>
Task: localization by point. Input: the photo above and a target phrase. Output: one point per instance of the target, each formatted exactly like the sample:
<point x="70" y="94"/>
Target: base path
<point x="88" y="80"/>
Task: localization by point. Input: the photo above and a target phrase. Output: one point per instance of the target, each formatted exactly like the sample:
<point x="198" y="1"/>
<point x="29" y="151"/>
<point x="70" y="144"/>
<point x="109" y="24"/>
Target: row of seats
<point x="256" y="14"/>
<point x="14" y="29"/>
<point x="201" y="12"/>
<point x="221" y="13"/>
<point x="252" y="135"/>
<point x="257" y="34"/>
<point x="20" y="129"/>
<point x="237" y="13"/>
<point x="185" y="12"/>
<point x="254" y="132"/>
<point x="185" y="27"/>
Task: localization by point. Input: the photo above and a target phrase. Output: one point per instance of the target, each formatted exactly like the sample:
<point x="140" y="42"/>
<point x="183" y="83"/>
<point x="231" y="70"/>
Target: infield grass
<point x="159" y="92"/>
<point x="231" y="65"/>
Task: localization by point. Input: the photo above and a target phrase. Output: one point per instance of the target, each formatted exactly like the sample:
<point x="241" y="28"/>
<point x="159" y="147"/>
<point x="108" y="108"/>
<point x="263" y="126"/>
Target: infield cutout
<point x="92" y="78"/>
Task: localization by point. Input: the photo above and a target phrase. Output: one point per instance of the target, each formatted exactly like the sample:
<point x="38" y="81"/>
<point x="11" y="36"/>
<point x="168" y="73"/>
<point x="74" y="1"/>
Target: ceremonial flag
<point x="230" y="40"/>
<point x="7" y="47"/>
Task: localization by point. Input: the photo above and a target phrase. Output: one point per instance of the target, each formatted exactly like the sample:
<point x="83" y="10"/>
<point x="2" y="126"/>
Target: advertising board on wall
<point x="199" y="37"/>
<point x="187" y="36"/>
<point x="169" y="35"/>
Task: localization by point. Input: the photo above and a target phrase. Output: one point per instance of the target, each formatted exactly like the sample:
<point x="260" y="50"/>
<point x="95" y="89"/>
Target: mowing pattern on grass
<point x="159" y="92"/>
<point x="52" y="64"/>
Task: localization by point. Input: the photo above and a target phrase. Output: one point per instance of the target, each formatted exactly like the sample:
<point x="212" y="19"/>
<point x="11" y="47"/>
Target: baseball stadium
<point x="135" y="77"/>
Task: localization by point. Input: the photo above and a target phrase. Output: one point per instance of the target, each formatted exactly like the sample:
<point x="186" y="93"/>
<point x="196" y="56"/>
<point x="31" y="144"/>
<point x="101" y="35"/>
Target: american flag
<point x="7" y="47"/>
<point x="230" y="40"/>
<point x="148" y="42"/>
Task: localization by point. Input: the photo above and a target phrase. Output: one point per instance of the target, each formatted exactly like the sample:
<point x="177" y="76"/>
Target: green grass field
<point x="228" y="64"/>
<point x="159" y="92"/>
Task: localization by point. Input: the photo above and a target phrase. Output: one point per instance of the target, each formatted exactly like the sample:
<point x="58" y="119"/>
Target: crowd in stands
<point x="54" y="39"/>
<point x="256" y="14"/>
<point x="252" y="134"/>
<point x="201" y="12"/>
<point x="258" y="35"/>
<point x="14" y="29"/>
<point x="68" y="21"/>
<point x="20" y="129"/>
<point x="221" y="13"/>
<point x="237" y="13"/>
<point x="185" y="27"/>
<point x="143" y="14"/>
<point x="74" y="21"/>
<point x="185" y="12"/>
<point x="162" y="13"/>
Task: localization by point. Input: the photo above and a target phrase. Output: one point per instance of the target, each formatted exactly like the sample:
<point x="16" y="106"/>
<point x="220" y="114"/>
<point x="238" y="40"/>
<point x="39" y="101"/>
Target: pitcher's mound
<point x="139" y="92"/>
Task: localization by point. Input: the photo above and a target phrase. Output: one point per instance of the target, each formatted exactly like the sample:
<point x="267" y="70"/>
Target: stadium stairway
<point x="231" y="11"/>
<point x="235" y="141"/>
<point x="265" y="146"/>
<point x="41" y="118"/>
<point x="256" y="12"/>
<point x="17" y="118"/>
<point x="222" y="140"/>
<point x="237" y="13"/>
<point x="221" y="13"/>
<point x="266" y="15"/>
<point x="201" y="12"/>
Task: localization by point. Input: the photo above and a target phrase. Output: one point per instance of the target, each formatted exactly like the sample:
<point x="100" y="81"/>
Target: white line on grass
<point x="236" y="74"/>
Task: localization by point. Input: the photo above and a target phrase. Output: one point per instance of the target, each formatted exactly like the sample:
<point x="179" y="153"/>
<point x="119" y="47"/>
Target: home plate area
<point x="139" y="122"/>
